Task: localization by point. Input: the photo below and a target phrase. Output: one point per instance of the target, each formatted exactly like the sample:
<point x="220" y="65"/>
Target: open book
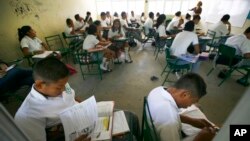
<point x="120" y="124"/>
<point x="88" y="117"/>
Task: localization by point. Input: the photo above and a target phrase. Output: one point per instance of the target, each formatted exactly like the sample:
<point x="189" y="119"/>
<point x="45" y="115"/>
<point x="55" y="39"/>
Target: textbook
<point x="44" y="54"/>
<point x="88" y="117"/>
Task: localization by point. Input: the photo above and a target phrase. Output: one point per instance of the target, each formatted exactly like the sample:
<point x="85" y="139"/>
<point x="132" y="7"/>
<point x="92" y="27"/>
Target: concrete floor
<point x="127" y="84"/>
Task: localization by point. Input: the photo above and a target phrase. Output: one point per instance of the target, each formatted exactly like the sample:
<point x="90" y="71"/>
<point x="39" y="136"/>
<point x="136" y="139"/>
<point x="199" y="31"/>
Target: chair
<point x="159" y="44"/>
<point x="149" y="36"/>
<point x="84" y="58"/>
<point x="172" y="65"/>
<point x="148" y="128"/>
<point x="224" y="53"/>
<point x="55" y="43"/>
<point x="216" y="41"/>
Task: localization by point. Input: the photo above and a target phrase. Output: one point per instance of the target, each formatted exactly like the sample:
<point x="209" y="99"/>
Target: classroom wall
<point x="47" y="17"/>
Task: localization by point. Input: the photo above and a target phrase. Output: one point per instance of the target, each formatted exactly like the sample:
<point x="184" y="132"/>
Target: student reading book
<point x="88" y="117"/>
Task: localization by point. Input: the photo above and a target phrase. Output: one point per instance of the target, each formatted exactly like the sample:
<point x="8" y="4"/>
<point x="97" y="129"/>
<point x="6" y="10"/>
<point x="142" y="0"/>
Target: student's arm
<point x="104" y="43"/>
<point x="229" y="27"/>
<point x="26" y="52"/>
<point x="45" y="46"/>
<point x="206" y="134"/>
<point x="196" y="122"/>
<point x="247" y="55"/>
<point x="197" y="49"/>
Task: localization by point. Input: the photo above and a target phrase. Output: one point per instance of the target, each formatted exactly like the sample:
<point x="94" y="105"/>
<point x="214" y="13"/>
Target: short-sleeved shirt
<point x="38" y="112"/>
<point x="32" y="44"/>
<point x="104" y="23"/>
<point x="90" y="42"/>
<point x="172" y="24"/>
<point x="79" y="25"/>
<point x="220" y="29"/>
<point x="68" y="30"/>
<point x="111" y="33"/>
<point x="161" y="30"/>
<point x="240" y="43"/>
<point x="148" y="24"/>
<point x="182" y="41"/>
<point x="165" y="114"/>
<point x="124" y="23"/>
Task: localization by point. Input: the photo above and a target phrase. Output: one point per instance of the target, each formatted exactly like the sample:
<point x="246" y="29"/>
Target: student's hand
<point x="206" y="134"/>
<point x="3" y="67"/>
<point x="2" y="73"/>
<point x="83" y="138"/>
<point x="200" y="123"/>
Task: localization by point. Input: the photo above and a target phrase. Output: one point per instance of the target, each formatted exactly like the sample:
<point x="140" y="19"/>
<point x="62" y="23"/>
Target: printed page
<point x="120" y="124"/>
<point x="103" y="129"/>
<point x="79" y="119"/>
<point x="105" y="108"/>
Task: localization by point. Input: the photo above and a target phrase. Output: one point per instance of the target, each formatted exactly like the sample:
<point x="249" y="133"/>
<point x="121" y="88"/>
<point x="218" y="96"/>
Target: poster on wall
<point x="237" y="9"/>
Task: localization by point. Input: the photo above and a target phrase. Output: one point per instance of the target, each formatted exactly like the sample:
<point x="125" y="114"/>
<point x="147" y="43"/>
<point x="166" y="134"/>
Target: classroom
<point x="143" y="55"/>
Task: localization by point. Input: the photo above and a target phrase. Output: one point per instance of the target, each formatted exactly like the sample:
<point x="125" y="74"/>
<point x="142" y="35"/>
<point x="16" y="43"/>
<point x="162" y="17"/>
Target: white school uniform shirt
<point x="79" y="25"/>
<point x="32" y="44"/>
<point x="68" y="30"/>
<point x="111" y="33"/>
<point x="148" y="24"/>
<point x="165" y="114"/>
<point x="172" y="24"/>
<point x="104" y="23"/>
<point x="124" y="23"/>
<point x="108" y="20"/>
<point x="220" y="29"/>
<point x="240" y="43"/>
<point x="182" y="41"/>
<point x="161" y="30"/>
<point x="90" y="42"/>
<point x="38" y="112"/>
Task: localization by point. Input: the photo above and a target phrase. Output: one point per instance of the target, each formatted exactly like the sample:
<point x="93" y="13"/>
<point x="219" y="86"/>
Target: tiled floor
<point x="129" y="83"/>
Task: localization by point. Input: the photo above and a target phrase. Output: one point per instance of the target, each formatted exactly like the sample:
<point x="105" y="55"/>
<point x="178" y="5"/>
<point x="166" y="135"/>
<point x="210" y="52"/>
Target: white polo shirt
<point x="124" y="23"/>
<point x="108" y="20"/>
<point x="165" y="114"/>
<point x="79" y="25"/>
<point x="220" y="28"/>
<point x="38" y="112"/>
<point x="161" y="30"/>
<point x="240" y="43"/>
<point x="111" y="33"/>
<point x="104" y="23"/>
<point x="172" y="24"/>
<point x="90" y="42"/>
<point x="148" y="24"/>
<point x="31" y="44"/>
<point x="68" y="30"/>
<point x="182" y="41"/>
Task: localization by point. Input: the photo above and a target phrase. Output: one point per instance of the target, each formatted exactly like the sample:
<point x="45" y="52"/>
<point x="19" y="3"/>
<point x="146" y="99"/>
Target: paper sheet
<point x="10" y="67"/>
<point x="120" y="124"/>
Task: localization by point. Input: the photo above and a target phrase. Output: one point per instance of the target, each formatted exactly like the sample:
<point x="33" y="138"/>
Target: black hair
<point x="87" y="18"/>
<point x="103" y="13"/>
<point x="88" y="13"/>
<point x="50" y="70"/>
<point x="116" y="14"/>
<point x="189" y="26"/>
<point x="151" y="15"/>
<point x="113" y="29"/>
<point x="247" y="30"/>
<point x="157" y="14"/>
<point x="123" y="13"/>
<point x="188" y="16"/>
<point x="142" y="14"/>
<point x="23" y="31"/>
<point x="192" y="82"/>
<point x="68" y="20"/>
<point x="198" y="17"/>
<point x="225" y="17"/>
<point x="160" y="20"/>
<point x="92" y="29"/>
<point x="97" y="23"/>
<point x="77" y="16"/>
<point x="178" y="13"/>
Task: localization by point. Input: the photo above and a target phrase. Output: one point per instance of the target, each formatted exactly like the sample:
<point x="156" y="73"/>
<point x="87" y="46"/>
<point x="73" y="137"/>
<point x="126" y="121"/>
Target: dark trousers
<point x="16" y="78"/>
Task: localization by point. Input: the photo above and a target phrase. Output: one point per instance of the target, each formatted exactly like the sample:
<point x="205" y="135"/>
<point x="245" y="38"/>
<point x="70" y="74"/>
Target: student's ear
<point x="184" y="93"/>
<point x="39" y="84"/>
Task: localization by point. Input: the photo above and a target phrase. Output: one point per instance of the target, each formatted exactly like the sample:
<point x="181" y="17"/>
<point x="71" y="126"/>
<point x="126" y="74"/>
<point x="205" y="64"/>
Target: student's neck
<point x="40" y="91"/>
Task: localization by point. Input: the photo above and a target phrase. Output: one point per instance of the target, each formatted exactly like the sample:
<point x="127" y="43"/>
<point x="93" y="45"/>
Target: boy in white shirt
<point x="79" y="23"/>
<point x="49" y="96"/>
<point x="164" y="104"/>
<point x="149" y="22"/>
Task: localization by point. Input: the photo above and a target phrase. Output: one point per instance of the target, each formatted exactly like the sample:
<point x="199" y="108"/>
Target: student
<point x="108" y="18"/>
<point x="117" y="32"/>
<point x="30" y="44"/>
<point x="164" y="104"/>
<point x="142" y="18"/>
<point x="70" y="27"/>
<point x="115" y="16"/>
<point x="177" y="16"/>
<point x="149" y="22"/>
<point x="104" y="23"/>
<point x="99" y="31"/>
<point x="14" y="78"/>
<point x="187" y="18"/>
<point x="136" y="33"/>
<point x="79" y="24"/>
<point x="241" y="43"/>
<point x="197" y="10"/>
<point x="181" y="43"/>
<point x="223" y="27"/>
<point x="91" y="42"/>
<point x="132" y="18"/>
<point x="160" y="26"/>
<point x="49" y="96"/>
<point x="175" y="26"/>
<point x="88" y="19"/>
